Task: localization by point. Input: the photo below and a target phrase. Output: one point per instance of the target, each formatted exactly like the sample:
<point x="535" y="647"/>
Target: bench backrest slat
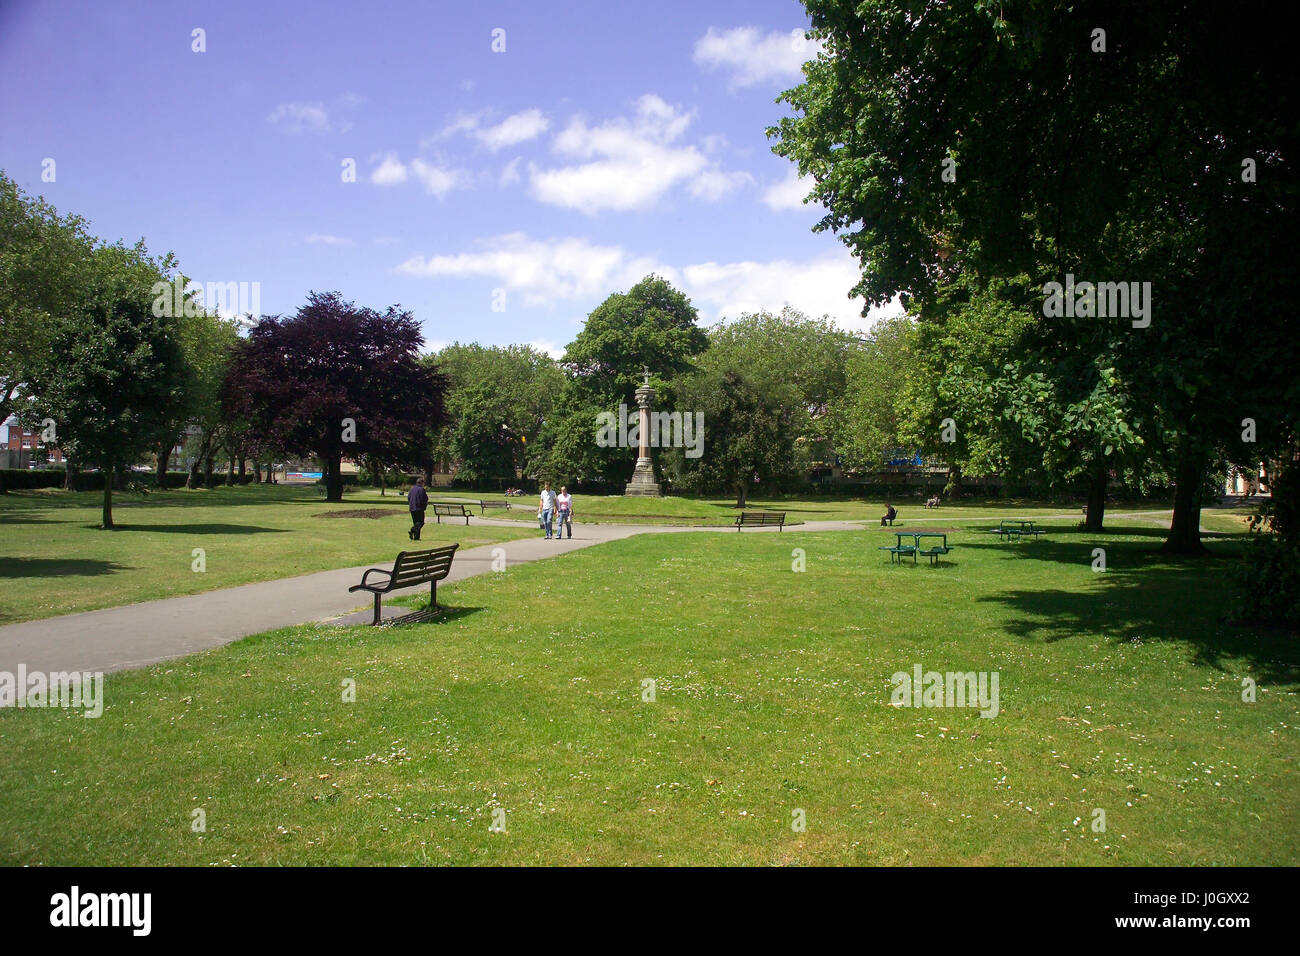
<point x="420" y="566"/>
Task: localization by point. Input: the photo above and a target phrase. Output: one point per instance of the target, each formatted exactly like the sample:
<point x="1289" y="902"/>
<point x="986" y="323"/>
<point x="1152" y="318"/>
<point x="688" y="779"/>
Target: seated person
<point x="890" y="514"/>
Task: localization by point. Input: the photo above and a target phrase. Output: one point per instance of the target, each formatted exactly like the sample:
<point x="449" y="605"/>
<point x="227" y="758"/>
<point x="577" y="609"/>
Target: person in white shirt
<point x="546" y="509"/>
<point x="564" y="506"/>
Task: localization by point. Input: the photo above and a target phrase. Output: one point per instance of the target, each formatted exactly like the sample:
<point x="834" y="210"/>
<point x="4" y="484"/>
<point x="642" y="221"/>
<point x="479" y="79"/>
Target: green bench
<point x="899" y="551"/>
<point x="934" y="552"/>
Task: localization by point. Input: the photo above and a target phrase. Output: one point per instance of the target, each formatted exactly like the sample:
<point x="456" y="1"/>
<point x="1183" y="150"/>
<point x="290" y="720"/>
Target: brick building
<point x="26" y="447"/>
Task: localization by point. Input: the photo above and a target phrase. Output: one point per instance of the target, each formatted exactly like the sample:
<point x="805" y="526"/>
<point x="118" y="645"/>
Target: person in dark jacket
<point x="418" y="500"/>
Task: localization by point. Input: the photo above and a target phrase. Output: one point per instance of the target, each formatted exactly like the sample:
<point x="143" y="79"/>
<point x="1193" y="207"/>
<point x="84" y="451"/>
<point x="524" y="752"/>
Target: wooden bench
<point x="485" y="505"/>
<point x="410" y="568"/>
<point x="452" y="511"/>
<point x="758" y="519"/>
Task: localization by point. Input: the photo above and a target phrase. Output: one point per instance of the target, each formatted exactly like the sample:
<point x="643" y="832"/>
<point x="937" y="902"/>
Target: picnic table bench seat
<point x="754" y="519"/>
<point x="410" y="568"/>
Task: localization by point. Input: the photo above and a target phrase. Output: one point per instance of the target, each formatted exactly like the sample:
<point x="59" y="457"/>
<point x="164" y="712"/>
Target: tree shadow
<point x="198" y="528"/>
<point x="57" y="567"/>
<point x="1154" y="598"/>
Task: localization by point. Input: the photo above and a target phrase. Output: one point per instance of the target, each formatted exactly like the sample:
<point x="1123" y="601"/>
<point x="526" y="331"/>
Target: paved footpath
<point x="138" y="635"/>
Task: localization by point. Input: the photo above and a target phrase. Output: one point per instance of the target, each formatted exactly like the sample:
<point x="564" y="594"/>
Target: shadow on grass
<point x="1147" y="596"/>
<point x="426" y="615"/>
<point x="199" y="528"/>
<point x="57" y="567"/>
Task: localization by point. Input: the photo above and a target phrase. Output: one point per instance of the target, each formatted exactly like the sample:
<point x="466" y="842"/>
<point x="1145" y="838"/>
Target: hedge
<point x="15" y="479"/>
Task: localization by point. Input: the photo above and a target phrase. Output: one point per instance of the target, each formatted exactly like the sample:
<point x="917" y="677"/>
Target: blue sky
<point x="498" y="195"/>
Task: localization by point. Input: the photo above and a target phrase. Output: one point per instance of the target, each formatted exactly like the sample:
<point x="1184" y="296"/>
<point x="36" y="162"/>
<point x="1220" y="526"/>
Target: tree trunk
<point x="70" y="474"/>
<point x="208" y="464"/>
<point x="334" y="477"/>
<point x="1097" y="502"/>
<point x="1185" y="529"/>
<point x="428" y="476"/>
<point x="163" y="455"/>
<point x="107" y="519"/>
<point x="742" y="494"/>
<point x="243" y="469"/>
<point x="257" y="472"/>
<point x="230" y="471"/>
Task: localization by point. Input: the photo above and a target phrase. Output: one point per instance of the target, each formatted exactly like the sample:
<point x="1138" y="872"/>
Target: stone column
<point x="643" y="476"/>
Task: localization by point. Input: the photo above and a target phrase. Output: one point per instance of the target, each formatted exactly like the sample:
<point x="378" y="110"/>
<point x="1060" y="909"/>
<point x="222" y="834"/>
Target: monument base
<point x="643" y="482"/>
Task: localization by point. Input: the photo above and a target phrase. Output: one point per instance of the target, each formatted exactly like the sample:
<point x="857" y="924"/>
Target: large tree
<point x="115" y="372"/>
<point x="42" y="260"/>
<point x="498" y="399"/>
<point x="748" y="436"/>
<point x="788" y="354"/>
<point x="336" y="380"/>
<point x="651" y="326"/>
<point x="1053" y="138"/>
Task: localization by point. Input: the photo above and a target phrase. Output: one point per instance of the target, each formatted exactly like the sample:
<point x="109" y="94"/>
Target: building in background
<point x="25" y="449"/>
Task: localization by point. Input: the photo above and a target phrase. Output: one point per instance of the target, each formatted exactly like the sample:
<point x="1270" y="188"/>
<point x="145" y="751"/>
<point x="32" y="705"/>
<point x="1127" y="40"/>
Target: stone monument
<point x="643" y="476"/>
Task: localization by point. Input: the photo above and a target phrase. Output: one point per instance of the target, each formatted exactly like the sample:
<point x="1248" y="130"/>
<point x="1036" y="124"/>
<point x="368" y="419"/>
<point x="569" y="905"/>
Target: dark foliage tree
<point x="336" y="380"/>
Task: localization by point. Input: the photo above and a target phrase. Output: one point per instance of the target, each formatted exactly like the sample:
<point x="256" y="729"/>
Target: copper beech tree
<point x="334" y="381"/>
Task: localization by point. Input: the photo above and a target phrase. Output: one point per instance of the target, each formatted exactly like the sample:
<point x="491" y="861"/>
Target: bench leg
<point x="433" y="595"/>
<point x="375" y="622"/>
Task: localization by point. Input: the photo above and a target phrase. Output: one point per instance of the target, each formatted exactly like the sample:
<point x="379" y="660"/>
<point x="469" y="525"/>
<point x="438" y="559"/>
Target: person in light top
<point x="564" y="506"/>
<point x="546" y="509"/>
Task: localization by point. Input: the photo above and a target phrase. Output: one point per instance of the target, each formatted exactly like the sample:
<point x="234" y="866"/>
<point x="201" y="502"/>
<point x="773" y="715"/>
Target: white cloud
<point x="542" y="271"/>
<point x="437" y="180"/>
<point x="789" y="193"/>
<point x="714" y="183"/>
<point x="513" y="130"/>
<point x="752" y="57"/>
<point x="546" y="272"/>
<point x="816" y="287"/>
<point x="389" y="173"/>
<point x="510" y="175"/>
<point x="630" y="162"/>
<point x="301" y="117"/>
<point x="324" y="239"/>
<point x="549" y="347"/>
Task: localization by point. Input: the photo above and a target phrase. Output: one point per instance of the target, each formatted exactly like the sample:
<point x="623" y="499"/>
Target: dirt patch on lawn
<point x="361" y="513"/>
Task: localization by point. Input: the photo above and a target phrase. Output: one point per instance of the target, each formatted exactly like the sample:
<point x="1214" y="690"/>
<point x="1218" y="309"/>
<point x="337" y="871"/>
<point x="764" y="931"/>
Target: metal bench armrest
<point x="365" y="578"/>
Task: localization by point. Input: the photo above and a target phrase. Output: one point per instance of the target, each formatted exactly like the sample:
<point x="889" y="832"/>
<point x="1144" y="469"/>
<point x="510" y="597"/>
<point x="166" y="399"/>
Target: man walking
<point x="546" y="508"/>
<point x="418" y="500"/>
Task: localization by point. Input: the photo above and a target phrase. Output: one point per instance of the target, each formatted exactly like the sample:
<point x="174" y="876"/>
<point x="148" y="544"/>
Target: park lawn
<point x="54" y="559"/>
<point x="720" y="512"/>
<point x="1119" y="691"/>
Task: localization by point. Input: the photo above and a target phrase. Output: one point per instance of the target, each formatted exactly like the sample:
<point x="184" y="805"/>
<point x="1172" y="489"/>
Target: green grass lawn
<point x="54" y="559"/>
<point x="1119" y="691"/>
<point x="719" y="512"/>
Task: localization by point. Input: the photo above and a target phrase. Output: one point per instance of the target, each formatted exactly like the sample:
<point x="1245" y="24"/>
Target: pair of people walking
<point x="557" y="509"/>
